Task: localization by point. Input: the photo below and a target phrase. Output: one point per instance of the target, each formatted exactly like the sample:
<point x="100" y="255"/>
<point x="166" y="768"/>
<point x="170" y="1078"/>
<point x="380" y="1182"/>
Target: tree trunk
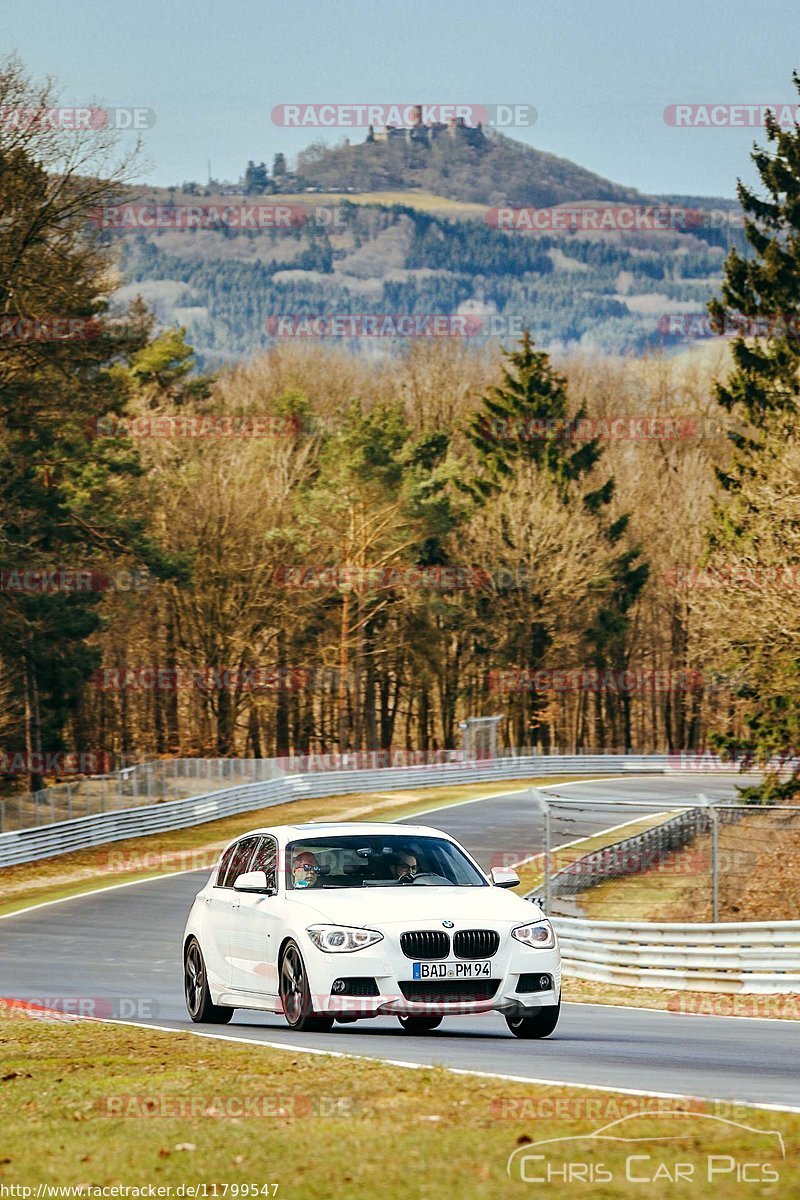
<point x="33" y="722"/>
<point x="173" y="737"/>
<point x="341" y="699"/>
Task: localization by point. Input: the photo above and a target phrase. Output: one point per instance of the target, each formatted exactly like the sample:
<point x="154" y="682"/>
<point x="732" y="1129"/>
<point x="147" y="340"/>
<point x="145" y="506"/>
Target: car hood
<point x="414" y="904"/>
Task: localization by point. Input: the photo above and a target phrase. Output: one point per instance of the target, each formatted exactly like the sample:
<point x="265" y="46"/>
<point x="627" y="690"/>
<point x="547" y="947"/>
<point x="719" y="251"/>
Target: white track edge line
<point x="396" y="1062"/>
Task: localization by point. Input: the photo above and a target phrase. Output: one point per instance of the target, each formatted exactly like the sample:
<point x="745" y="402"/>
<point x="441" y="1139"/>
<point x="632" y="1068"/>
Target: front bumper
<point x="390" y="970"/>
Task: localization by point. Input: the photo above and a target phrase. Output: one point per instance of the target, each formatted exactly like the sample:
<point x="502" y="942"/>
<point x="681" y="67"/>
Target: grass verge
<point x="104" y="1105"/>
<point x="758" y="877"/>
<point x="785" y="1007"/>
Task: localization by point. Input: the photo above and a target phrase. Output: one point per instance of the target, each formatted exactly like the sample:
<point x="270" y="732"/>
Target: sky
<point x="599" y="76"/>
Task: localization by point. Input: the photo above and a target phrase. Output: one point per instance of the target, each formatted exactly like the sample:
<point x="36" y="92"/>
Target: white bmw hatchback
<point x="338" y="922"/>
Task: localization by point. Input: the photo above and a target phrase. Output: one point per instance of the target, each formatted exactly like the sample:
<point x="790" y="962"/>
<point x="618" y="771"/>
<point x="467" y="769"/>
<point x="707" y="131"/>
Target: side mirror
<point x="504" y="879"/>
<point x="254" y="881"/>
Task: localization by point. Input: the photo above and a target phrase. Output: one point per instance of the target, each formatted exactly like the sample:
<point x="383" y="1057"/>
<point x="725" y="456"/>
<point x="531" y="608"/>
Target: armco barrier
<point x="47" y="841"/>
<point x="754" y="957"/>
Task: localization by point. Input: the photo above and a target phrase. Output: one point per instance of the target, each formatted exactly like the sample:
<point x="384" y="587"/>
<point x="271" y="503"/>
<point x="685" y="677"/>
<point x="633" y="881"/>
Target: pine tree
<point x="761" y="297"/>
<point x="528" y="419"/>
<point x="67" y="498"/>
<point x="256" y="179"/>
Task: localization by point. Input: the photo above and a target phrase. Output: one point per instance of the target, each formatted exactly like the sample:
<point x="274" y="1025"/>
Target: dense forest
<point x="313" y="550"/>
<point x="573" y="291"/>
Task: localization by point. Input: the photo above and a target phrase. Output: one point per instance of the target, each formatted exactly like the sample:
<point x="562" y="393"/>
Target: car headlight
<point x="342" y="939"/>
<point x="540" y="935"/>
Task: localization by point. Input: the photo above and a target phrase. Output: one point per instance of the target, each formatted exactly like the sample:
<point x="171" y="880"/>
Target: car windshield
<point x="355" y="861"/>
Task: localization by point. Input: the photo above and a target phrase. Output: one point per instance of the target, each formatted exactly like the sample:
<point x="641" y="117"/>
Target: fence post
<point x="548" y="866"/>
<point x="544" y="808"/>
<point x="714" y="815"/>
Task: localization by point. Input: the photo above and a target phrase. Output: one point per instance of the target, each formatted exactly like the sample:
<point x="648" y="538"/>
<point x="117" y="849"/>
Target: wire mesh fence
<point x="140" y="784"/>
<point x="161" y="780"/>
<point x="668" y="860"/>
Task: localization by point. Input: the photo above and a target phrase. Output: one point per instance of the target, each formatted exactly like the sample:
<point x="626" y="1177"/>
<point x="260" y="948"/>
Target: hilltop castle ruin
<point x="426" y="134"/>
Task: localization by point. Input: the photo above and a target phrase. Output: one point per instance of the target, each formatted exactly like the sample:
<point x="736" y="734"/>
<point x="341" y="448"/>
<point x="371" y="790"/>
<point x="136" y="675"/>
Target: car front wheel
<point x="537" y="1024"/>
<point x="195" y="986"/>
<point x="296" y="995"/>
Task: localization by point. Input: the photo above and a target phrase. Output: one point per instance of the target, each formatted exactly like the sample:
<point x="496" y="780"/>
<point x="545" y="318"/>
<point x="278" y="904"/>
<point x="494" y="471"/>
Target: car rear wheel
<point x="412" y="1024"/>
<point x="195" y="986"/>
<point x="534" y="1024"/>
<point x="296" y="995"/>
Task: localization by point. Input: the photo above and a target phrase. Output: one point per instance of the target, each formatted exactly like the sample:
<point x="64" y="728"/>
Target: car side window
<point x="239" y="862"/>
<point x="266" y="859"/>
<point x="225" y="862"/>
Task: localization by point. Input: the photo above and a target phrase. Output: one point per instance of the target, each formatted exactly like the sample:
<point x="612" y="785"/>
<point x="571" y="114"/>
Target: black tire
<point x="195" y="989"/>
<point x="412" y="1024"/>
<point x="295" y="993"/>
<point x="536" y="1023"/>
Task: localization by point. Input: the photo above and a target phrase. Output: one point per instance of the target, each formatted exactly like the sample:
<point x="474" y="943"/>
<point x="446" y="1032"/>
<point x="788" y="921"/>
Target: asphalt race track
<point x="124" y="946"/>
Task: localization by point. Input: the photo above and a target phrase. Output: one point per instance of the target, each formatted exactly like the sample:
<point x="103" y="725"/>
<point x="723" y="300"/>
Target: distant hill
<point x="501" y="171"/>
<point x="400" y="227"/>
<point x="610" y="292"/>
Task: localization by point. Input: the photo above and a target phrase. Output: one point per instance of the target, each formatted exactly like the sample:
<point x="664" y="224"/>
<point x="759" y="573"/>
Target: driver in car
<point x="403" y="865"/>
<point x="306" y="870"/>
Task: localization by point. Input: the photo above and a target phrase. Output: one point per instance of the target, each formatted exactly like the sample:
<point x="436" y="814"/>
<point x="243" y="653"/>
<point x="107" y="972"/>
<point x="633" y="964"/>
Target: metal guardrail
<point x="159" y="780"/>
<point x="754" y="957"/>
<point x="61" y="837"/>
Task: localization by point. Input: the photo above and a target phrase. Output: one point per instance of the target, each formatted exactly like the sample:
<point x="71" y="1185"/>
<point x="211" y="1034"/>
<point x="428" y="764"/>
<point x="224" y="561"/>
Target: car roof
<point x="310" y="829"/>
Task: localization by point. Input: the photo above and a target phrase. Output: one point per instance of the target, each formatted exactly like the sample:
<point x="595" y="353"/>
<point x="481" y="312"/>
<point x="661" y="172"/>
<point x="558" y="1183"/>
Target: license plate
<point x="452" y="970"/>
